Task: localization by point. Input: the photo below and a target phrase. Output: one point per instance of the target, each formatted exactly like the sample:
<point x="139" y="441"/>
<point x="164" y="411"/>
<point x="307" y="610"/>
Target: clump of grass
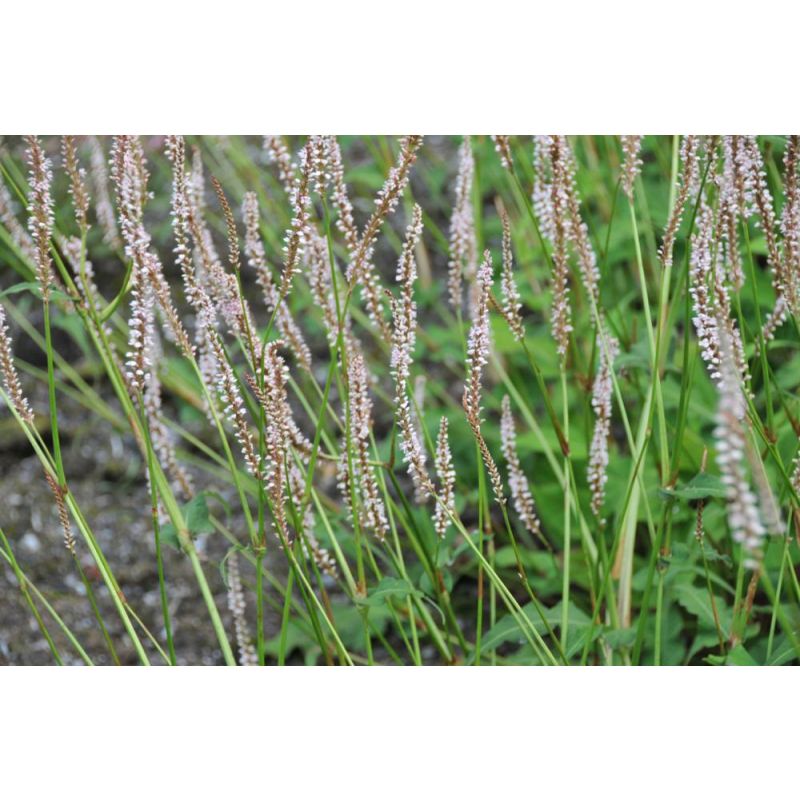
<point x="353" y="432"/>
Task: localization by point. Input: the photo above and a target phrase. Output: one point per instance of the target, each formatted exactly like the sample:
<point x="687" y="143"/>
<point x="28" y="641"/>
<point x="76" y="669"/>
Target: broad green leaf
<point x="507" y="630"/>
<point x="73" y="325"/>
<point x="738" y="657"/>
<point x="298" y="637"/>
<point x="701" y="486"/>
<point x="783" y="653"/>
<point x="388" y="588"/>
<point x="25" y="286"/>
<point x="705" y="640"/>
<point x="196" y="516"/>
<point x="616" y="639"/>
<point x="34" y="288"/>
<point x="698" y="603"/>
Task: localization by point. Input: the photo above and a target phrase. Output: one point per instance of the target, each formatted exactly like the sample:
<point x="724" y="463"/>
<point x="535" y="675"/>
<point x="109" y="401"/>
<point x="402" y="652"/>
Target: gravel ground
<point x="105" y="473"/>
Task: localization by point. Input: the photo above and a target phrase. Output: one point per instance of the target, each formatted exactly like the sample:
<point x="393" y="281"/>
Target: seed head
<point x="518" y="483"/>
<point x="102" y="206"/>
<point x="63" y="515"/>
<point x="790" y="221"/>
<point x="503" y="147"/>
<point x="9" y="372"/>
<point x="477" y="357"/>
<point x="446" y="506"/>
<point x="19" y="236"/>
<point x="278" y="153"/>
<point x="361" y="425"/>
<point x="463" y="245"/>
<point x="601" y="404"/>
<point x="729" y="213"/>
<point x="404" y="317"/>
<point x="237" y="606"/>
<point x="277" y="433"/>
<point x="744" y="517"/>
<point x="77" y="182"/>
<point x="341" y="201"/>
<point x="360" y="269"/>
<point x="632" y="164"/>
<point x="298" y="230"/>
<point x="542" y="196"/>
<point x="257" y="261"/>
<point x="689" y="164"/>
<point x="161" y="437"/>
<point x="700" y="274"/>
<point x="40" y="209"/>
<point x="561" y="314"/>
<point x="511" y="300"/>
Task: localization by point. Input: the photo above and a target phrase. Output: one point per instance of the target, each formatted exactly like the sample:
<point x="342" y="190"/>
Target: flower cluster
<point x="700" y="273"/>
<point x="363" y="477"/>
<point x="601" y="404"/>
<point x="77" y="182"/>
<point x="341" y="201"/>
<point x="257" y="261"/>
<point x="236" y="604"/>
<point x="560" y="314"/>
<point x="517" y="482"/>
<point x="9" y="372"/>
<point x="40" y="208"/>
<point x="148" y="283"/>
<point x="446" y="505"/>
<point x="102" y="200"/>
<point x="557" y="206"/>
<point x="404" y="317"/>
<point x="502" y="145"/>
<point x="511" y="300"/>
<point x="744" y="518"/>
<point x="19" y="236"/>
<point x="360" y="269"/>
<point x="59" y="495"/>
<point x="477" y="358"/>
<point x="297" y="233"/>
<point x="160" y="435"/>
<point x="632" y="164"/>
<point x="542" y="194"/>
<point x="463" y="246"/>
<point x="278" y="153"/>
<point x="790" y="221"/>
<point x="271" y="395"/>
<point x="689" y="171"/>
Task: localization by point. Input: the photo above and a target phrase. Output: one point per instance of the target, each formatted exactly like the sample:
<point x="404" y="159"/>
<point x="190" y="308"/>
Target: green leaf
<point x="25" y="286"/>
<point x="298" y="637"/>
<point x="783" y="653"/>
<point x="388" y="588"/>
<point x="507" y="630"/>
<point x="537" y="560"/>
<point x="616" y="639"/>
<point x="73" y="325"/>
<point x="712" y="555"/>
<point x="427" y="586"/>
<point x="196" y="516"/>
<point x="34" y="288"/>
<point x="169" y="536"/>
<point x="698" y="603"/>
<point x="349" y="622"/>
<point x="739" y="657"/>
<point x="703" y="641"/>
<point x="701" y="486"/>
